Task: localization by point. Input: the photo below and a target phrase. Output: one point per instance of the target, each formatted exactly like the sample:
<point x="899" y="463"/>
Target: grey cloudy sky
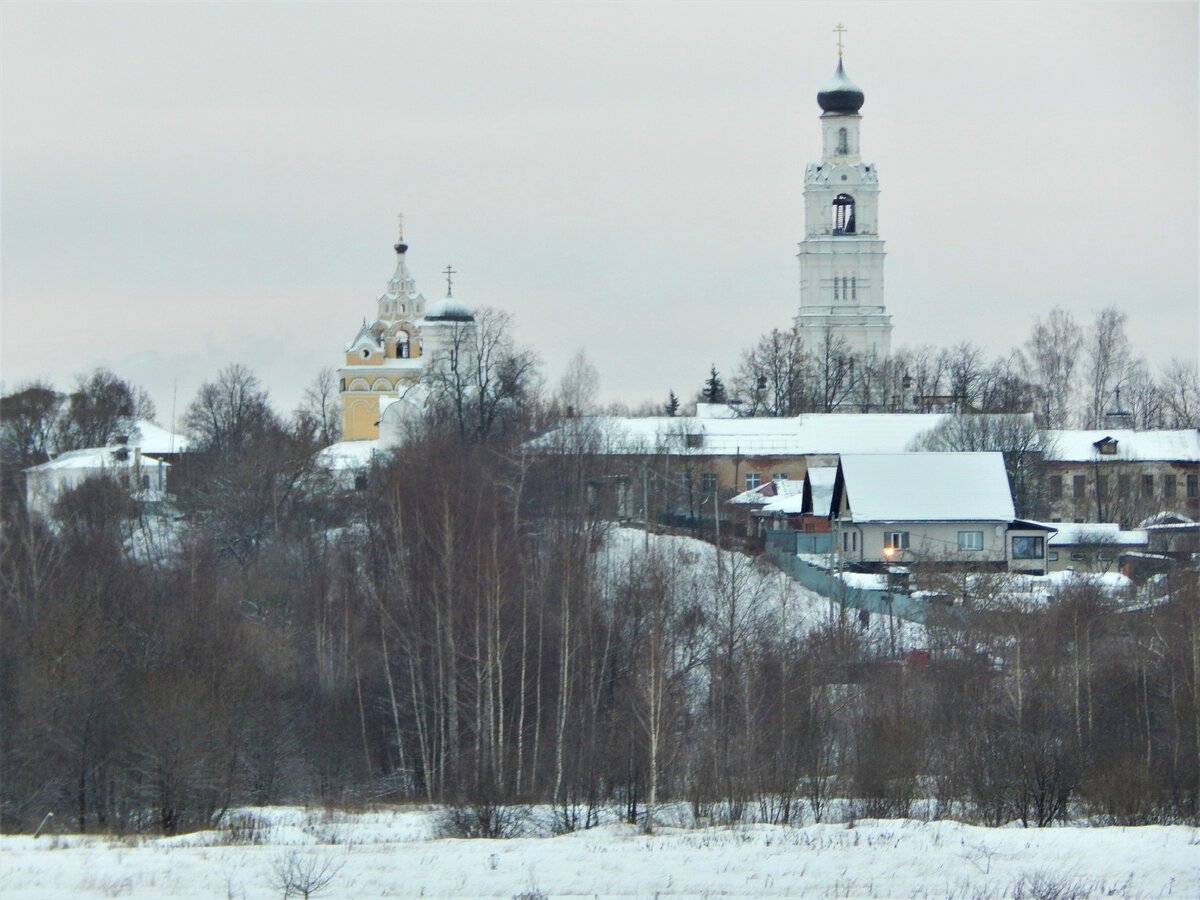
<point x="189" y="185"/>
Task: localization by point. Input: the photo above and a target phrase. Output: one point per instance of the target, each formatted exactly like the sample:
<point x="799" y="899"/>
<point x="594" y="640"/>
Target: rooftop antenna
<point x="839" y="31"/>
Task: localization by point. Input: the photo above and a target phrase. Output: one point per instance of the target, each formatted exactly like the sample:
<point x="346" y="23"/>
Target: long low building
<point x="736" y="453"/>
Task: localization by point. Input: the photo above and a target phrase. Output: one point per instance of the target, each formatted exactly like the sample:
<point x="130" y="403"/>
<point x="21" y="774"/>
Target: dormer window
<point x="843" y="214"/>
<point x="1107" y="446"/>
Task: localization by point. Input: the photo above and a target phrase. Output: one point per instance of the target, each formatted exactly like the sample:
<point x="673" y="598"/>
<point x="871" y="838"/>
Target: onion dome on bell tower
<point x="841" y="96"/>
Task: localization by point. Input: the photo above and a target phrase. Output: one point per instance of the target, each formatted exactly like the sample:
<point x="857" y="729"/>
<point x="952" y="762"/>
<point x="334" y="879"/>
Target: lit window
<point x="970" y="540"/>
<point x="1026" y="547"/>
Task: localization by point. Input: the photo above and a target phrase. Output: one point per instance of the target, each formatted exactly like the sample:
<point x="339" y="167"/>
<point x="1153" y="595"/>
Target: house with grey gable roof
<point x="932" y="508"/>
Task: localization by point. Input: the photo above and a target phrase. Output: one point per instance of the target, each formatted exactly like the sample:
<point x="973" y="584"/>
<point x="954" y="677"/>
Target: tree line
<point x="1068" y="374"/>
<point x="460" y="631"/>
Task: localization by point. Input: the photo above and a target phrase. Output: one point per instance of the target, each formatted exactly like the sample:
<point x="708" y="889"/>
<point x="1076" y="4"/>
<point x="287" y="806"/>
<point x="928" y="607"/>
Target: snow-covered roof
<point x="765" y="493"/>
<point x="815" y="433"/>
<point x="151" y="438"/>
<point x="821" y="480"/>
<point x="926" y="487"/>
<point x="346" y="455"/>
<point x="1080" y="446"/>
<point x="1073" y="533"/>
<point x="715" y="411"/>
<point x="1168" y="519"/>
<point x="93" y="458"/>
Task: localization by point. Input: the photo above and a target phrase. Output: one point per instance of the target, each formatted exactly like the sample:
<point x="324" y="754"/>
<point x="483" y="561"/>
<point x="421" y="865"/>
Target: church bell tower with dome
<point x="841" y="256"/>
<point x="387" y="357"/>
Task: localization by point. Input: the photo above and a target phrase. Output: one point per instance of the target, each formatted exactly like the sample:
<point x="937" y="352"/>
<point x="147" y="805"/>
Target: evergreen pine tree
<point x="714" y="390"/>
<point x="672" y="405"/>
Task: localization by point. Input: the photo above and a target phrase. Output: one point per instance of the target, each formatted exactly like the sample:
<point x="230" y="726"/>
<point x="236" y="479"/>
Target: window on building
<point x="753" y="480"/>
<point x="779" y="476"/>
<point x="1102" y="486"/>
<point x="1168" y="481"/>
<point x="896" y="540"/>
<point x="1078" y="556"/>
<point x="360" y="482"/>
<point x="1028" y="547"/>
<point x="1105" y="556"/>
<point x="1079" y="486"/>
<point x="402" y="345"/>
<point x="843" y="143"/>
<point x="843" y="214"/>
<point x="1055" y="485"/>
<point x="1147" y="485"/>
<point x="1193" y="486"/>
<point x="1052" y="556"/>
<point x="1122" y="485"/>
<point x="836" y="282"/>
<point x="970" y="540"/>
<point x="854" y="541"/>
<point x="853" y="287"/>
<point x="708" y="482"/>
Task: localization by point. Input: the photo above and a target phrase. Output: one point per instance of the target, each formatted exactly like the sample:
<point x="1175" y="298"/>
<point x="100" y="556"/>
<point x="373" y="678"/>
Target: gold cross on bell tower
<point x="400" y="224"/>
<point x="839" y="31"/>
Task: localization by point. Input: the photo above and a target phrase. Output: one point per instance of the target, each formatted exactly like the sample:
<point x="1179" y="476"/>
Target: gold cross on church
<point x="400" y="221"/>
<point x="839" y="31"/>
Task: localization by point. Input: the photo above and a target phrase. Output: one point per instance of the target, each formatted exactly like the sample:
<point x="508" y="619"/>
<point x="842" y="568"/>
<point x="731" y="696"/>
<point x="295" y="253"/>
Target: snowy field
<point x="392" y="854"/>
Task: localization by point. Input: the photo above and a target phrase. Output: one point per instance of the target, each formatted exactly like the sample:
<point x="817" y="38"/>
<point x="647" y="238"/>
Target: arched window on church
<point x="843" y="214"/>
<point x="402" y="345"/>
<point x="843" y="147"/>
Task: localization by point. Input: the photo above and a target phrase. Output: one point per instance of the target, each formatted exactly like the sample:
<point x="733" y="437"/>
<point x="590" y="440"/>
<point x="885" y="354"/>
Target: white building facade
<point x="841" y="256"/>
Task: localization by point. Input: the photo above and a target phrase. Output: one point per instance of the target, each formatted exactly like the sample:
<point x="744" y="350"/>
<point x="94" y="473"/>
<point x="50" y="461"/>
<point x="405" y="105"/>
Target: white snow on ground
<point x="390" y="853"/>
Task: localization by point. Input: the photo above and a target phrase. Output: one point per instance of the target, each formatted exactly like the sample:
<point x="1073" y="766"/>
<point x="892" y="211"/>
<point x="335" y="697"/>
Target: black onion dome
<point x="841" y="95"/>
<point x="401" y="248"/>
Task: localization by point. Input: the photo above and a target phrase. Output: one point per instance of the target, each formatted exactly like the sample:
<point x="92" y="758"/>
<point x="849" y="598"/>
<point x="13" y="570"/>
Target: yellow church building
<point x="387" y="357"/>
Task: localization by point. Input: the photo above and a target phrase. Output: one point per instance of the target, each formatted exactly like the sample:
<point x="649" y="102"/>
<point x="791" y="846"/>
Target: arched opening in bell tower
<point x="843" y="214"/>
<point x="843" y="146"/>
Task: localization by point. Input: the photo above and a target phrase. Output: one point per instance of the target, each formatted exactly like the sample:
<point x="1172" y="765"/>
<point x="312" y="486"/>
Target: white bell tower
<point x="841" y="256"/>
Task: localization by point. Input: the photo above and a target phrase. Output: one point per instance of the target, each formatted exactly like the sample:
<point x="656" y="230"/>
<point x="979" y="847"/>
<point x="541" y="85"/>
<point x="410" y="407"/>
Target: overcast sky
<point x="188" y="185"/>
